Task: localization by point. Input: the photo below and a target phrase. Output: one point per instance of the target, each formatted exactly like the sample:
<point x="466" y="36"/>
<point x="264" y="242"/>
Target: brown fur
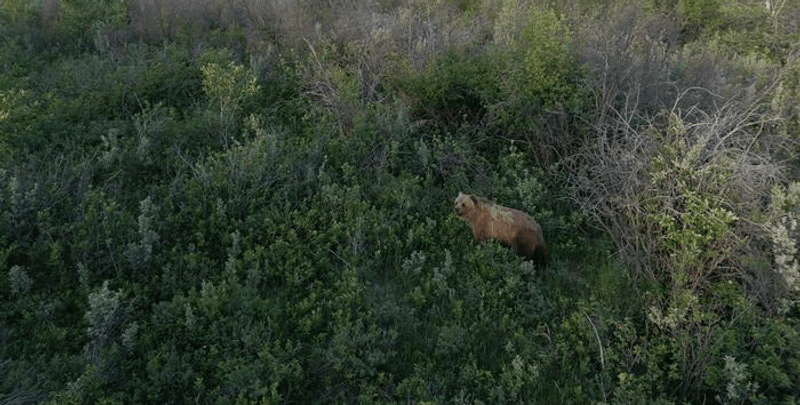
<point x="508" y="226"/>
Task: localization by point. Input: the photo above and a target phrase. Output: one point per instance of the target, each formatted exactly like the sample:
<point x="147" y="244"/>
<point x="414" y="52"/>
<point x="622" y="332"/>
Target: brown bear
<point x="510" y="227"/>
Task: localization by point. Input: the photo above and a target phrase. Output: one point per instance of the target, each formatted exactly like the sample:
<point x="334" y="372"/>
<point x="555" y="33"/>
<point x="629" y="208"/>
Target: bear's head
<point x="464" y="204"/>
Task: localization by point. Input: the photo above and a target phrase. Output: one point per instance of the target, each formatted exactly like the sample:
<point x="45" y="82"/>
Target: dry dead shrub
<point x="355" y="45"/>
<point x="349" y="45"/>
<point x="271" y="21"/>
<point x="686" y="146"/>
<point x="683" y="193"/>
<point x="628" y="53"/>
<point x="49" y="13"/>
<point x="423" y="31"/>
<point x="633" y="52"/>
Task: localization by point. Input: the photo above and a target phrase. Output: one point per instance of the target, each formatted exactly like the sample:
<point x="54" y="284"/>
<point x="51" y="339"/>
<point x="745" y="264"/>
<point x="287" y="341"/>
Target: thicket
<point x="251" y="201"/>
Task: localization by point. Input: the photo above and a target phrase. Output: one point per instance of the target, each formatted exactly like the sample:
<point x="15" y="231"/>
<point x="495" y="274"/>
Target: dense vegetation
<point x="250" y="201"/>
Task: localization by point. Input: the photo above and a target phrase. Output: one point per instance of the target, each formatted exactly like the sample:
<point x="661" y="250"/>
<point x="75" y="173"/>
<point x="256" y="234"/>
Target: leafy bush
<point x="228" y="86"/>
<point x="698" y="14"/>
<point x="543" y="87"/>
<point x="82" y="19"/>
<point x="541" y="69"/>
<point x="528" y="77"/>
<point x="454" y="89"/>
<point x="679" y="183"/>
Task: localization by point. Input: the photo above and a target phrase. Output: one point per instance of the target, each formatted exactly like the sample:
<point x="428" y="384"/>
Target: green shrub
<point x="785" y="103"/>
<point x="541" y="81"/>
<point x="84" y="19"/>
<point x="228" y="87"/>
<point x="698" y="13"/>
<point x="102" y="227"/>
<point x="455" y="88"/>
<point x="168" y="75"/>
<point x="541" y="66"/>
<point x="13" y="109"/>
<point x="506" y="89"/>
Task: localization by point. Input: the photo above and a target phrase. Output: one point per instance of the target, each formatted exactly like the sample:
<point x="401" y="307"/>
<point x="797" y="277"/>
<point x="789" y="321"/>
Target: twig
<point x="599" y="343"/>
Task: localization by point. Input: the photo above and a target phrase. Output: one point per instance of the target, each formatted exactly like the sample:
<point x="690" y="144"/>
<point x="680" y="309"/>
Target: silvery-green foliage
<point x="739" y="386"/>
<point x="129" y="336"/>
<point x="149" y="124"/>
<point x="20" y="281"/>
<point x="784" y="233"/>
<point x="102" y="314"/>
<point x="140" y="253"/>
<point x="110" y="151"/>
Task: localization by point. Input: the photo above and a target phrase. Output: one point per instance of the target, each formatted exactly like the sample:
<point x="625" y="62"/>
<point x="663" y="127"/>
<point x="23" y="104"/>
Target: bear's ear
<point x="474" y="199"/>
